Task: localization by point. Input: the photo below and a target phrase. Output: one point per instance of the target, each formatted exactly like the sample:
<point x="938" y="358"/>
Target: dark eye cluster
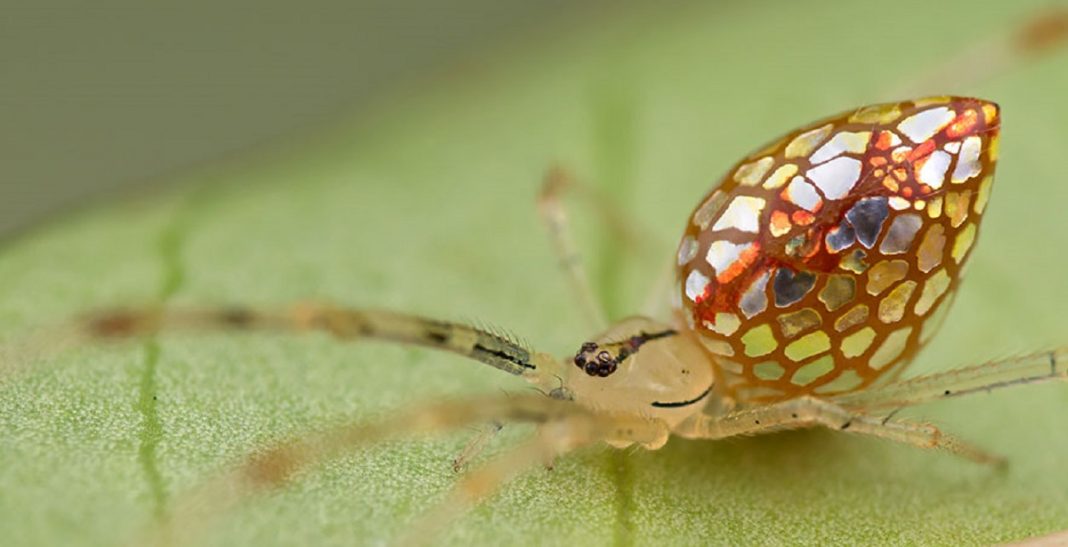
<point x="597" y="361"/>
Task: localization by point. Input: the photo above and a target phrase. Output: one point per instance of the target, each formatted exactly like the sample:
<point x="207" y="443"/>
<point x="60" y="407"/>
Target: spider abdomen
<point x="822" y="262"/>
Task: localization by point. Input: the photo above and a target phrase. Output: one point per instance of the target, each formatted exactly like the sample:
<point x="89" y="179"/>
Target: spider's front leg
<point x="563" y="426"/>
<point x="491" y="348"/>
<point x="556" y="183"/>
<point x="810" y="411"/>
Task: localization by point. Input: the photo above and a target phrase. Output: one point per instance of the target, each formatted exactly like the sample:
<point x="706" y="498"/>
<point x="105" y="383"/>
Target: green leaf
<point x="428" y="207"/>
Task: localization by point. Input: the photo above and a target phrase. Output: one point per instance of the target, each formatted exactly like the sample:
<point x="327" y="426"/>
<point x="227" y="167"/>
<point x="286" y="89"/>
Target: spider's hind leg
<point x="1044" y="366"/>
<point x="810" y="411"/>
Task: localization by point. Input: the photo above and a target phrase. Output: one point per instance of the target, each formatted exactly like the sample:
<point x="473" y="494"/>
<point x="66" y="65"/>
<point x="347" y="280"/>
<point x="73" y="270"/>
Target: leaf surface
<point x="428" y="207"/>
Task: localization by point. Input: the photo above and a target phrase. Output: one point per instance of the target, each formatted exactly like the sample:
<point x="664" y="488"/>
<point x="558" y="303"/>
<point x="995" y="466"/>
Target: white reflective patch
<point x="902" y="231"/>
<point x="922" y="126"/>
<point x="687" y="250"/>
<point x="802" y="194"/>
<point x="755" y="299"/>
<point x="836" y="177"/>
<point x="933" y="172"/>
<point x="968" y="164"/>
<point x="723" y="254"/>
<point x="742" y="214"/>
<point x="845" y="141"/>
<point x="695" y="285"/>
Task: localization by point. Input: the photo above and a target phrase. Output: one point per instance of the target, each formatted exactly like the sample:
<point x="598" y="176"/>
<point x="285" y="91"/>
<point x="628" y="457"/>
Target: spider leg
<point x="476" y="445"/>
<point x="553" y="440"/>
<point x="993" y="55"/>
<point x="554" y="215"/>
<point x="557" y="183"/>
<point x="482" y="345"/>
<point x="563" y="426"/>
<point x="1020" y="370"/>
<point x="810" y="411"/>
<point x="488" y="347"/>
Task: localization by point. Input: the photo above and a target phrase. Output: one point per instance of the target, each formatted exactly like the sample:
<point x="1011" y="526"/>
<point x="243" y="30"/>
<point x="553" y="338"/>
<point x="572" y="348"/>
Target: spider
<point x="806" y="280"/>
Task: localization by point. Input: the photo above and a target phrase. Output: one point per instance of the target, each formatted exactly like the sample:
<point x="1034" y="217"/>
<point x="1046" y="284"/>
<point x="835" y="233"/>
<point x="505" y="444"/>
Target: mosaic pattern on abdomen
<point x="825" y="261"/>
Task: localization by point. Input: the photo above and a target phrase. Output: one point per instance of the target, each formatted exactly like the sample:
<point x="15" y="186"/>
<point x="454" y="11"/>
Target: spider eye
<point x="595" y="361"/>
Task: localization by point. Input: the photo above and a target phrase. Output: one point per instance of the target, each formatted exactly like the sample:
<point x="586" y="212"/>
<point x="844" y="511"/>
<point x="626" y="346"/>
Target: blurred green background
<point x="100" y="99"/>
<point x="413" y="189"/>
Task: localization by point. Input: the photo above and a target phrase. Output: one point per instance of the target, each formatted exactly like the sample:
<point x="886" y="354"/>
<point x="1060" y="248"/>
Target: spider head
<point x="640" y="366"/>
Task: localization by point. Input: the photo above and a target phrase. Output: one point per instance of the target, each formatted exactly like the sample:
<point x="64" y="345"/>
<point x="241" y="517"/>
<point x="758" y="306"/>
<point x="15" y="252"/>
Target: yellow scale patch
<point x="792" y="324"/>
<point x="929" y="255"/>
<point x="803" y="145"/>
<point x="957" y="207"/>
<point x="963" y="243"/>
<point x="857" y="343"/>
<point x="884" y="274"/>
<point x="750" y="174"/>
<point x="891" y="348"/>
<point x="846" y="381"/>
<point x="984" y="195"/>
<point x="892" y="307"/>
<point x="934" y="208"/>
<point x="855" y="316"/>
<point x="813" y="371"/>
<point x="933" y="288"/>
<point x="808" y="345"/>
<point x="881" y="114"/>
<point x="838" y="292"/>
<point x="780" y="176"/>
<point x="708" y="210"/>
<point x="768" y="370"/>
<point x="759" y="341"/>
